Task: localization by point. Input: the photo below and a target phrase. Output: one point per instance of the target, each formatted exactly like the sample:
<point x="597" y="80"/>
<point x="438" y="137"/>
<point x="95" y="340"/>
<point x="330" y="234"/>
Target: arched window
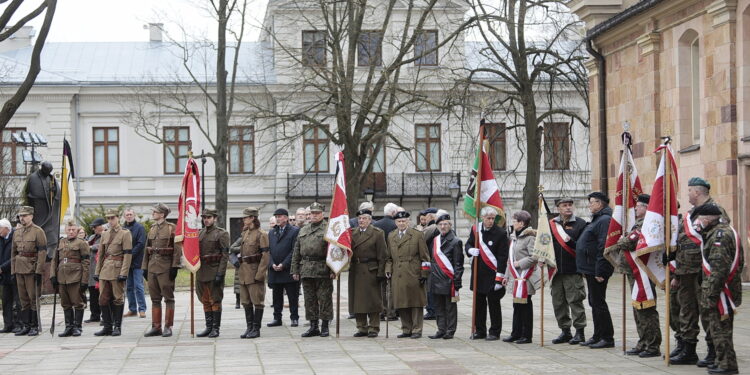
<point x="690" y="93"/>
<point x="695" y="92"/>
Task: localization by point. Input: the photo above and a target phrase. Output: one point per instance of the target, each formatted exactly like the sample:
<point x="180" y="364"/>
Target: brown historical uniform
<point x="366" y="270"/>
<point x="70" y="270"/>
<point x="28" y="254"/>
<point x="209" y="283"/>
<point x="112" y="272"/>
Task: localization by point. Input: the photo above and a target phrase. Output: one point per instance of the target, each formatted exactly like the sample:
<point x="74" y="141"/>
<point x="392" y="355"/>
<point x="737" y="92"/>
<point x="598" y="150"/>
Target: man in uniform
<point x="408" y="266"/>
<point x="446" y="270"/>
<point x="281" y="246"/>
<point x="69" y="273"/>
<point x="111" y="272"/>
<point x="252" y="252"/>
<point x="567" y="289"/>
<point x="94" y="242"/>
<point x="309" y="265"/>
<point x="646" y="317"/>
<point x="687" y="281"/>
<point x="28" y="255"/>
<point x="366" y="271"/>
<point x="209" y="280"/>
<point x="161" y="261"/>
<point x="722" y="285"/>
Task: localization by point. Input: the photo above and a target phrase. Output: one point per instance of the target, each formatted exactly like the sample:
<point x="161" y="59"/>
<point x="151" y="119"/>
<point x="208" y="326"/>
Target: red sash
<point x="520" y="287"/>
<point x="443" y="263"/>
<point x="561" y="237"/>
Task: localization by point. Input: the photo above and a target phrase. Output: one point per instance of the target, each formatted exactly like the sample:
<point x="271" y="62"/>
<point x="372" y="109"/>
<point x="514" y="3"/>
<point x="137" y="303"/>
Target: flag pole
<point x="667" y="232"/>
<point x="192" y="279"/>
<point x="477" y="222"/>
<point x="625" y="203"/>
<point x="541" y="296"/>
<point x="338" y="304"/>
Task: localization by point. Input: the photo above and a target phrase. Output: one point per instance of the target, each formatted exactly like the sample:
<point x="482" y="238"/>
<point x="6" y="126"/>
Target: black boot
<point x="24" y="321"/>
<point x="578" y="338"/>
<point x="313" y="331"/>
<point x="249" y="321"/>
<point x="68" y="331"/>
<point x="324" y="328"/>
<point x="117" y="319"/>
<point x="710" y="356"/>
<point x="216" y="325"/>
<point x="565" y="336"/>
<point x="209" y="324"/>
<point x="678" y="349"/>
<point x="686" y="357"/>
<point x="257" y="319"/>
<point x="34" y="326"/>
<point x="106" y="321"/>
<point x="77" y="322"/>
<point x="236" y="300"/>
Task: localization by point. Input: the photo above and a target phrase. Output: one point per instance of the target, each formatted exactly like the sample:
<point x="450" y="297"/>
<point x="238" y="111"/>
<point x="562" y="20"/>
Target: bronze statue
<point x="42" y="191"/>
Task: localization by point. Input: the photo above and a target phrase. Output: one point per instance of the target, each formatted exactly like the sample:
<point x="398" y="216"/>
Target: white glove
<point x="498" y="287"/>
<point x="473" y="251"/>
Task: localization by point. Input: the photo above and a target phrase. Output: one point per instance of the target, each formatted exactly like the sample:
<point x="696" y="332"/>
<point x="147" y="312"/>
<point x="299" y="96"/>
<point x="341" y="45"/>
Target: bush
<point x="87" y="216"/>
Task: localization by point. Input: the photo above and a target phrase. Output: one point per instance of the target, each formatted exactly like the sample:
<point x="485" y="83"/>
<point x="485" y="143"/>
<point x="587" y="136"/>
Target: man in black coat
<point x="10" y="291"/>
<point x="387" y="224"/>
<point x="491" y="265"/>
<point x="590" y="261"/>
<point x="281" y="244"/>
<point x="446" y="270"/>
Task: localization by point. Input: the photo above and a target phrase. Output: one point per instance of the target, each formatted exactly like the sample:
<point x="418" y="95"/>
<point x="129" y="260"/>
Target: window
<point x="556" y="146"/>
<point x="425" y="48"/>
<point x="315" y="148"/>
<point x="314" y="48"/>
<point x="427" y="141"/>
<point x="495" y="134"/>
<point x="106" y="151"/>
<point x="11" y="155"/>
<point x="376" y="179"/>
<point x="370" y="48"/>
<point x="176" y="147"/>
<point x="695" y="92"/>
<point x="241" y="149"/>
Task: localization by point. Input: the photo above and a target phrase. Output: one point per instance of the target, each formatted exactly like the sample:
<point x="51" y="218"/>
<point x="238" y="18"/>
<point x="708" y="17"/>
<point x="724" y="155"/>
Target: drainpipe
<point x="601" y="88"/>
<point x="77" y="143"/>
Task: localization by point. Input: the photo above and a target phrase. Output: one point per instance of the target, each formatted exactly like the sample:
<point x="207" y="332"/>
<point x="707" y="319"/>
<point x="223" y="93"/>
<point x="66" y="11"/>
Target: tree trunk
<point x="353" y="181"/>
<point x="222" y="117"/>
<point x="533" y="159"/>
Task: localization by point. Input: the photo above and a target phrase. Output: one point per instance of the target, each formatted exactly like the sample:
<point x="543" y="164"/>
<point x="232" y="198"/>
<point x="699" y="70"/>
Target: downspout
<point x="602" y="101"/>
<point x="77" y="143"/>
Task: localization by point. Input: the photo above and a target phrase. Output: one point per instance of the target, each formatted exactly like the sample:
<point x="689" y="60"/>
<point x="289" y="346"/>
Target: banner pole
<point x="477" y="222"/>
<point x="192" y="305"/>
<point x="338" y="304"/>
<point x="625" y="203"/>
<point x="541" y="301"/>
<point x="667" y="234"/>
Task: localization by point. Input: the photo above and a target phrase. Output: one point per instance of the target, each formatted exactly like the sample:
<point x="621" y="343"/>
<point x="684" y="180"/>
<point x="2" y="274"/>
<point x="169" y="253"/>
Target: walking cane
<point x="54" y="309"/>
<point x="388" y="304"/>
<point x="38" y="287"/>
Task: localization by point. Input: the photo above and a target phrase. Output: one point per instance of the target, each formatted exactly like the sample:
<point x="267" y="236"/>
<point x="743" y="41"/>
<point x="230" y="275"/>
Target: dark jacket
<point x="5" y="248"/>
<point x="281" y="248"/>
<point x="590" y="258"/>
<point x="439" y="282"/>
<point x="496" y="239"/>
<point x="387" y="224"/>
<point x="566" y="262"/>
<point x="138" y="234"/>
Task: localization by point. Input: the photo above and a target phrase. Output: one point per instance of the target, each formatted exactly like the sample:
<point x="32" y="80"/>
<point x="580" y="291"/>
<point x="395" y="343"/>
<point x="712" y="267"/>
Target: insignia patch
<point x="489" y="243"/>
<point x="717" y="243"/>
<point x="633" y="236"/>
<point x="545" y="239"/>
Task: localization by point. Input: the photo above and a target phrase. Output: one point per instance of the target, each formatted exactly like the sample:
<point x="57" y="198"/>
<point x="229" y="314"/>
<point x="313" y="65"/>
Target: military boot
<point x="324" y="328"/>
<point x="106" y="321"/>
<point x="34" y="326"/>
<point x="313" y="331"/>
<point x="209" y="324"/>
<point x="578" y="338"/>
<point x="68" y="331"/>
<point x="257" y="319"/>
<point x="168" y="322"/>
<point x="216" y="325"/>
<point x="77" y="322"/>
<point x="565" y="336"/>
<point x="155" y="322"/>
<point x="686" y="357"/>
<point x="678" y="349"/>
<point x="249" y="321"/>
<point x="117" y="319"/>
<point x="24" y="321"/>
<point x="710" y="356"/>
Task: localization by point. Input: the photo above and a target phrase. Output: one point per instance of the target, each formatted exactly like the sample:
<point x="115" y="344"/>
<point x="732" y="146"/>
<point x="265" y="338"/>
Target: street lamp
<point x="369" y="195"/>
<point x="32" y="140"/>
<point x="455" y="191"/>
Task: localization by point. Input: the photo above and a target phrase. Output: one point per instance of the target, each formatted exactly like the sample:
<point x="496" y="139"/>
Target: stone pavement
<point x="282" y="350"/>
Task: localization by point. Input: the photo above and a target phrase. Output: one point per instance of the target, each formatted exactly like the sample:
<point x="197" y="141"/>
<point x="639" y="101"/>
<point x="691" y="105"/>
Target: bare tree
<point x="10" y="187"/>
<point x="11" y="11"/>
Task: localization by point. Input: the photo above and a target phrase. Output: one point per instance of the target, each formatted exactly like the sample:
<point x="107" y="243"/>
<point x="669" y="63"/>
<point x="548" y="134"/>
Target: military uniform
<point x="161" y="262"/>
<point x="28" y="254"/>
<point x="94" y="242"/>
<point x="69" y="272"/>
<point x="366" y="270"/>
<point x="209" y="280"/>
<point x="112" y="269"/>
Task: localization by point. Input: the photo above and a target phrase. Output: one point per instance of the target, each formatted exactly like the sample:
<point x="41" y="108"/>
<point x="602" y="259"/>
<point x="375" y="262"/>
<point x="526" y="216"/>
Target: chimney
<point x="19" y="39"/>
<point x="155" y="32"/>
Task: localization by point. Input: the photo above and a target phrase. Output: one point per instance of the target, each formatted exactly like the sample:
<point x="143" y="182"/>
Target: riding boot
<point x="216" y="325"/>
<point x="168" y="322"/>
<point x="77" y="322"/>
<point x="155" y="322"/>
<point x="68" y="331"/>
<point x="256" y="324"/>
<point x="34" y="327"/>
<point x="117" y="319"/>
<point x="249" y="321"/>
<point x="209" y="324"/>
<point x="106" y="321"/>
<point x="24" y="321"/>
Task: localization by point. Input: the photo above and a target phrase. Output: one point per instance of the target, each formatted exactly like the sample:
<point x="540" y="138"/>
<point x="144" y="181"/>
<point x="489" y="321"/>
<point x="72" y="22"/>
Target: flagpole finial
<point x="626" y="126"/>
<point x="541" y="189"/>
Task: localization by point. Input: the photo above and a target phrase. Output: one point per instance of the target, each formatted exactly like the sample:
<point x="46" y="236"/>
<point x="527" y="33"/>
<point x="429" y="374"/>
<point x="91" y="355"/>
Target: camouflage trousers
<point x="647" y="324"/>
<point x="688" y="295"/>
<point x="318" y="293"/>
<point x="721" y="334"/>
<point x="674" y="313"/>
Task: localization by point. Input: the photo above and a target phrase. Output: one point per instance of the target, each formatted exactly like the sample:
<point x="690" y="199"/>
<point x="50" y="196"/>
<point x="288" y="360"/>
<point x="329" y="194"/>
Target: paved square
<point x="281" y="350"/>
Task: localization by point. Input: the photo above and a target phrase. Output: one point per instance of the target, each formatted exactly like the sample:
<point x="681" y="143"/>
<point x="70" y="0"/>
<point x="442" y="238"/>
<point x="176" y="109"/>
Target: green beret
<point x="697" y="181"/>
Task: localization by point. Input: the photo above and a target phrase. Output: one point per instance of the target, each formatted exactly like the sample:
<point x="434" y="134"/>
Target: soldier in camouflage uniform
<point x="719" y="251"/>
<point x="646" y="317"/>
<point x="688" y="277"/>
<point x="28" y="254"/>
<point x="209" y="280"/>
<point x="69" y="273"/>
<point x="309" y="264"/>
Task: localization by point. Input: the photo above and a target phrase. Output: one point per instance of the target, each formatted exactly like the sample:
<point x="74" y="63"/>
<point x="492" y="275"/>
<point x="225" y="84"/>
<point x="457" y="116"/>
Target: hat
<point x="707" y="209"/>
<point x="364" y="212"/>
<point x="401" y="215"/>
<point x="210" y="212"/>
<point x="562" y="200"/>
<point x="644" y="198"/>
<point x="250" y="211"/>
<point x="697" y="181"/>
<point x="431" y="210"/>
<point x="600" y="196"/>
<point x="161" y="208"/>
<point x="442" y="218"/>
<point x="316" y="207"/>
<point x="112" y="212"/>
<point x="281" y="211"/>
<point x="98" y="222"/>
<point x="26" y="210"/>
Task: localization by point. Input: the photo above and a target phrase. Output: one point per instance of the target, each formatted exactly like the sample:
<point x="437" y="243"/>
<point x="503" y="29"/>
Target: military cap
<point x="281" y="211"/>
<point x="562" y="200"/>
<point x="402" y="215"/>
<point x="431" y="210"/>
<point x="250" y="211"/>
<point x="644" y="198"/>
<point x="210" y="212"/>
<point x="161" y="208"/>
<point x="112" y="212"/>
<point x="98" y="222"/>
<point x="708" y="209"/>
<point x="26" y="210"/>
<point x="442" y="217"/>
<point x="697" y="181"/>
<point x="600" y="196"/>
<point x="316" y="207"/>
<point x="364" y="212"/>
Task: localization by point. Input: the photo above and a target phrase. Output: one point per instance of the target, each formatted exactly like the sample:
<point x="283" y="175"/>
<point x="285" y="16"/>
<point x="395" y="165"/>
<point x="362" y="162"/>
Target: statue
<point x="42" y="191"/>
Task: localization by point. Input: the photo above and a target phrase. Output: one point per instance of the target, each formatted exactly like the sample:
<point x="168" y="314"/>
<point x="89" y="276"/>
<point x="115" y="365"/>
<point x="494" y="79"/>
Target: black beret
<point x="644" y="198"/>
<point x="442" y="217"/>
<point x="97" y="222"/>
<point x="281" y="211"/>
<point x="402" y="215"/>
<point x="600" y="196"/>
<point x="431" y="210"/>
<point x="708" y="209"/>
<point x="364" y="212"/>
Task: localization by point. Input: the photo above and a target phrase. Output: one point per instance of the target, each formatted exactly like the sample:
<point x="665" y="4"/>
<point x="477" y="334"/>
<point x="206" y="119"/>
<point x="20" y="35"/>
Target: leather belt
<point x="251" y="258"/>
<point x="161" y="250"/>
<point x="114" y="258"/>
<point x="28" y="254"/>
<point x="214" y="258"/>
<point x="364" y="260"/>
<point x="314" y="258"/>
<point x="70" y="260"/>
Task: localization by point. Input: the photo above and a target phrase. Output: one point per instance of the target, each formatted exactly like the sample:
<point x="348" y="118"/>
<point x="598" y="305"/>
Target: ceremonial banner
<point x="338" y="233"/>
<point x="188" y="217"/>
<point x="68" y="194"/>
<point x="633" y="189"/>
<point x="487" y="190"/>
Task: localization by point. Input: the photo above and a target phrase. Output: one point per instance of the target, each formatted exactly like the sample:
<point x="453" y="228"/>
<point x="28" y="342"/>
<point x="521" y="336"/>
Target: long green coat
<point x="367" y="266"/>
<point x="407" y="261"/>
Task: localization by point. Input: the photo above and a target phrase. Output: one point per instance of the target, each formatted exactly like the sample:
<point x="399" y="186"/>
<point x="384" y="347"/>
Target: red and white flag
<point x="338" y="233"/>
<point x="633" y="188"/>
<point x="188" y="218"/>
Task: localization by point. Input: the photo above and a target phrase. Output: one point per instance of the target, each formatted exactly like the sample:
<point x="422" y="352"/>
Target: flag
<point x="338" y="233"/>
<point x="633" y="188"/>
<point x="188" y="216"/>
<point x="68" y="194"/>
<point x="543" y="248"/>
<point x="487" y="189"/>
